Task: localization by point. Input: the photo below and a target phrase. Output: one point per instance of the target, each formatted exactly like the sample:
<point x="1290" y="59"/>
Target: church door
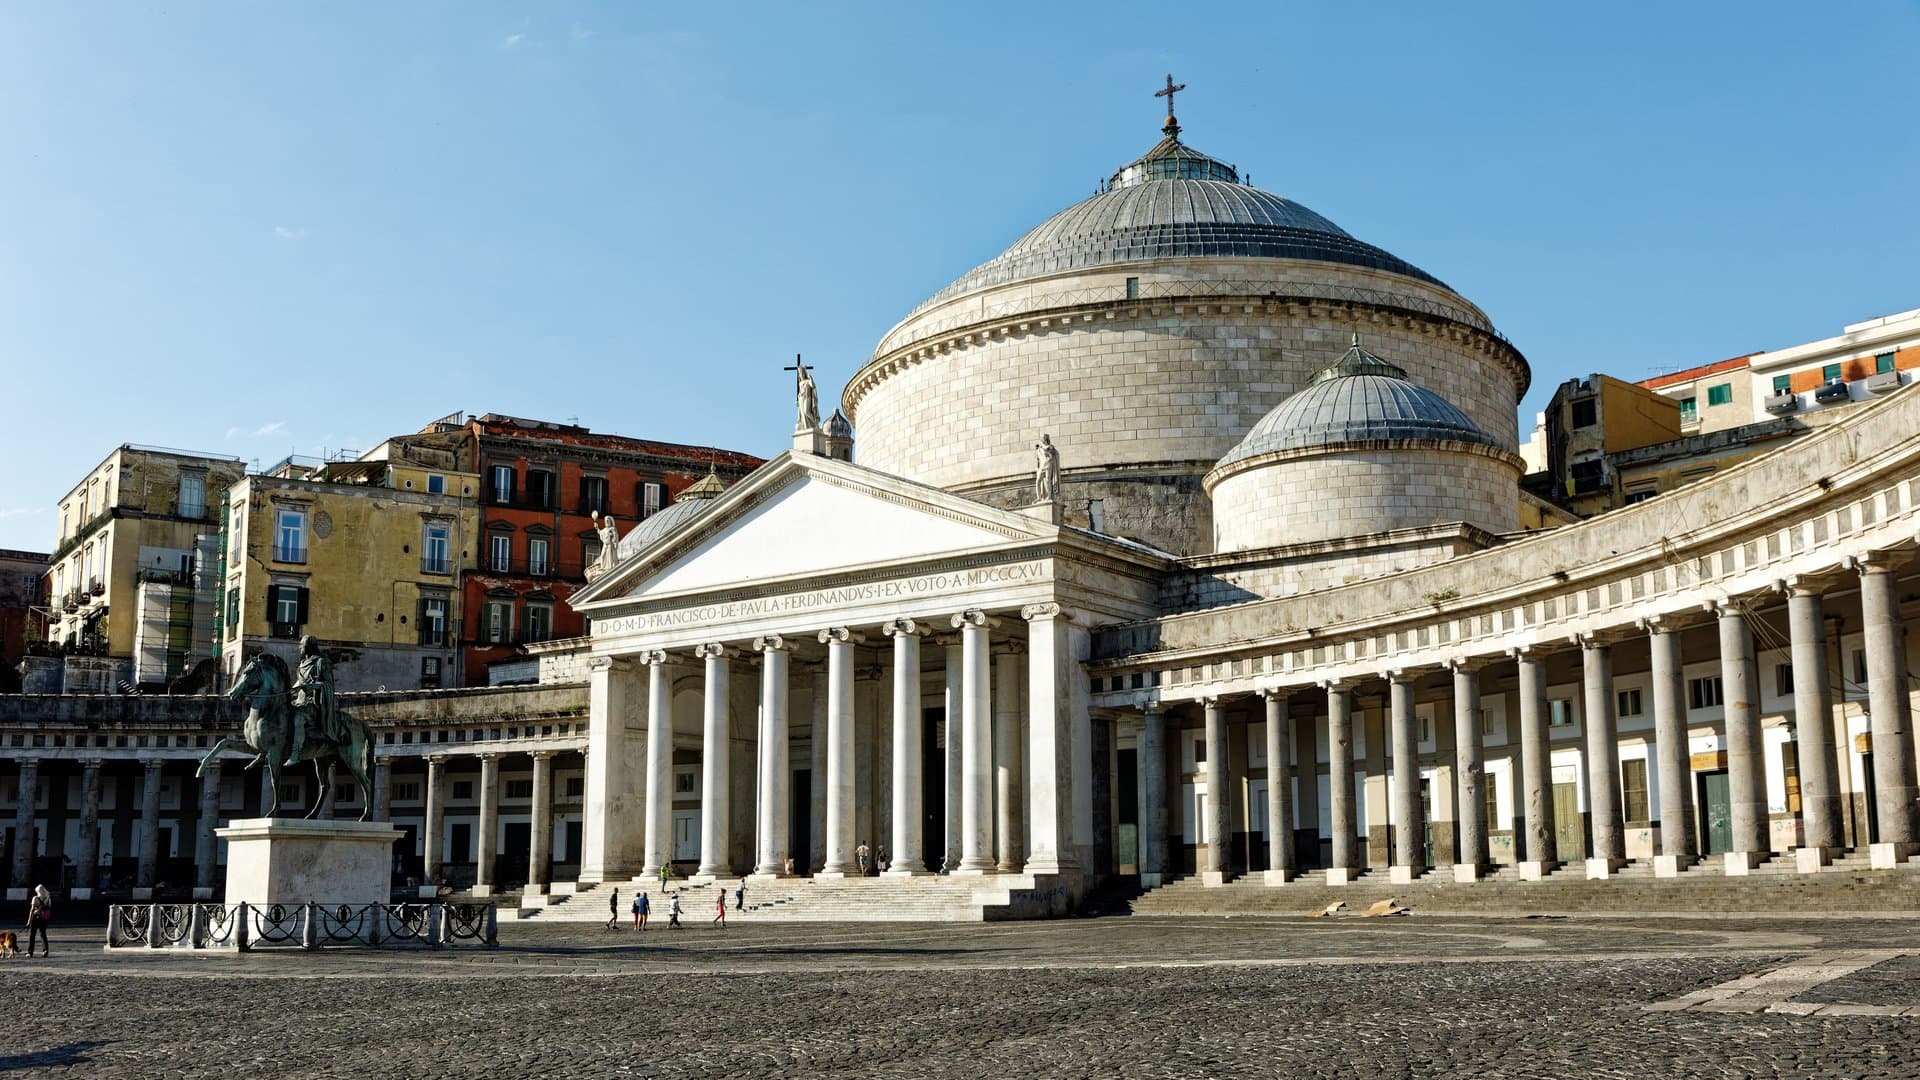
<point x="1716" y="810"/>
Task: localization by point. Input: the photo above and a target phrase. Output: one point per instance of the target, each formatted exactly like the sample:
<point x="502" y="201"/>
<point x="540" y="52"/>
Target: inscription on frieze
<point x="818" y="599"/>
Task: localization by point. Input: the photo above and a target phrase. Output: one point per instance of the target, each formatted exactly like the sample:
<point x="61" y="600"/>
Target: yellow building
<point x="366" y="556"/>
<point x="1585" y="425"/>
<point x="134" y="576"/>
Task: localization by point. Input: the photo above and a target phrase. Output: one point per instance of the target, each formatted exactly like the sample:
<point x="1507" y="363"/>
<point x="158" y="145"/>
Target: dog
<point x="9" y="945"/>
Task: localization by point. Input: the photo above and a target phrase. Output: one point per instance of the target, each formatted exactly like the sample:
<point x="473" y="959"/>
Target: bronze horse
<point x="268" y="734"/>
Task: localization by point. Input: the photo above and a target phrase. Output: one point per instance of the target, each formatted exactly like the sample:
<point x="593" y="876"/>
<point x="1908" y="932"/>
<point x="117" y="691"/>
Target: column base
<point x="1468" y="873"/>
<point x="1340" y="875"/>
<point x="530" y="889"/>
<point x="138" y="894"/>
<point x="1275" y="877"/>
<point x="1404" y="875"/>
<point x="562" y="888"/>
<point x="707" y="877"/>
<point x="1888" y="856"/>
<point x="1213" y="879"/>
<point x="1536" y="869"/>
<point x="482" y="890"/>
<point x="972" y="871"/>
<point x="1668" y="866"/>
<point x="1603" y="868"/>
<point x="1039" y="866"/>
<point x="1812" y="860"/>
<point x="527" y="900"/>
<point x="1152" y="881"/>
<point x="834" y="875"/>
<point x="898" y="871"/>
<point x="1742" y="863"/>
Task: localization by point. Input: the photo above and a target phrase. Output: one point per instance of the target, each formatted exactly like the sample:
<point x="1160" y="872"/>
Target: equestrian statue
<point x="291" y="719"/>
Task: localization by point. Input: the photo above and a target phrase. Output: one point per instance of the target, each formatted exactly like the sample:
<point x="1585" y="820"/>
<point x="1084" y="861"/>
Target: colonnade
<point x="87" y="854"/>
<point x="1888" y="706"/>
<point x="989" y="811"/>
<point x="487" y="841"/>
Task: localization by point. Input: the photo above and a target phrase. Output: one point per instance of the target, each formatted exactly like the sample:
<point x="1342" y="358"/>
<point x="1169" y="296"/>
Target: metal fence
<point x="313" y="925"/>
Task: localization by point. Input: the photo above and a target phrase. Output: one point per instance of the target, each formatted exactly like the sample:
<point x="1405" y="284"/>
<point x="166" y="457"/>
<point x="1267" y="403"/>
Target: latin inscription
<point x="869" y="592"/>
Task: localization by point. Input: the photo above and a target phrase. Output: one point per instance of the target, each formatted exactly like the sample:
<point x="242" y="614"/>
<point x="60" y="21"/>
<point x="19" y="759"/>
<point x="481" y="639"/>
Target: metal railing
<point x="308" y="926"/>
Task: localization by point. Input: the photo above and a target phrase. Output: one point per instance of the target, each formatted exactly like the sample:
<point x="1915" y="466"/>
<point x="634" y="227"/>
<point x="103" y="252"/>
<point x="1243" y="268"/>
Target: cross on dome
<point x="1172" y="128"/>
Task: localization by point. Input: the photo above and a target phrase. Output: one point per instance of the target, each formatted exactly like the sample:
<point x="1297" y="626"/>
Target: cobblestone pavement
<point x="1102" y="997"/>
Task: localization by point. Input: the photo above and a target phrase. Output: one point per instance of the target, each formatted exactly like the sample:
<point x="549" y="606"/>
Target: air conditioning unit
<point x="1884" y="382"/>
<point x="1831" y="392"/>
<point x="1784" y="402"/>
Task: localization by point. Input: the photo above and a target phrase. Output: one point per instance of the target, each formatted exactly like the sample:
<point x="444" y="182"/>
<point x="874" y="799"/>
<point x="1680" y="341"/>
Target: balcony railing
<point x="436" y="566"/>
<point x="285" y="630"/>
<point x="437" y="637"/>
<point x="282" y="553"/>
<point x="544" y="568"/>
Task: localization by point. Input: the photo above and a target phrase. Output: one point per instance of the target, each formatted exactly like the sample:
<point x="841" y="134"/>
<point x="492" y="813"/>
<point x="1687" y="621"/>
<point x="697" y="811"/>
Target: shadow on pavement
<point x="70" y="1054"/>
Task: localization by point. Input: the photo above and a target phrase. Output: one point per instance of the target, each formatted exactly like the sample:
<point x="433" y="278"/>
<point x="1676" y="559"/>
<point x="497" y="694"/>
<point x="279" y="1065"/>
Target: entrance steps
<point x="929" y="898"/>
<point x="1848" y="886"/>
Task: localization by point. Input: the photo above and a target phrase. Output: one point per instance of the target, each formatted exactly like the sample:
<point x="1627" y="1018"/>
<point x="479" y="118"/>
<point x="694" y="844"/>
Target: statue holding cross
<point x="806" y="397"/>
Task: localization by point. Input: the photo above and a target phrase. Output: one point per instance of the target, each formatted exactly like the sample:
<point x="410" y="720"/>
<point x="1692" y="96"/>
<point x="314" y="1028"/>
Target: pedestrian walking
<point x="613" y="910"/>
<point x="673" y="912"/>
<point x="641" y="907"/>
<point x="883" y="860"/>
<point x="39" y="914"/>
<point x="861" y="853"/>
<point x="666" y="871"/>
<point x="720" y="911"/>
<point x="740" y="896"/>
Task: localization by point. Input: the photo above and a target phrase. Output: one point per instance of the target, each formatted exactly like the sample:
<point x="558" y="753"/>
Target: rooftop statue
<point x="293" y="718"/>
<point x="1046" y="470"/>
<point x="806" y="398"/>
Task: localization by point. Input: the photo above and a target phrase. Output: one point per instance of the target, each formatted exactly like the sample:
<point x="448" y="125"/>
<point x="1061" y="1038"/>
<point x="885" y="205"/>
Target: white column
<point x="1341" y="820"/>
<point x="1007" y="779"/>
<point x="489" y="824"/>
<point x="1536" y="768"/>
<point x="1049" y="713"/>
<point x="840" y="643"/>
<point x="613" y="828"/>
<point x="24" y="839"/>
<point x="86" y="860"/>
<point x="1281" y="865"/>
<point x="383" y="789"/>
<point x="774" y="767"/>
<point x="976" y="743"/>
<point x="540" y="855"/>
<point x="716" y="763"/>
<point x="1471" y="854"/>
<point x="1746" y="768"/>
<point x="659" y="826"/>
<point x="1678" y="849"/>
<point x="1153" y="785"/>
<point x="1813" y="727"/>
<point x="204" y="859"/>
<point x="908" y="784"/>
<point x="433" y="828"/>
<point x="1603" y="760"/>
<point x="956" y="671"/>
<point x="1889" y="714"/>
<point x="1219" y="817"/>
<point x="1409" y="826"/>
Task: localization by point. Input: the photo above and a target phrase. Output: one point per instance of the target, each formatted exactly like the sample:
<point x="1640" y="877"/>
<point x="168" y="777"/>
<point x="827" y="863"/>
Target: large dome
<point x="1176" y="203"/>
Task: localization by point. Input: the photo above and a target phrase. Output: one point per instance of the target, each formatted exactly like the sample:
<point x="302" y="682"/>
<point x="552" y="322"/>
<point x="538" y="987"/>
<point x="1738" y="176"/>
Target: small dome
<point x="1362" y="398"/>
<point x="668" y="519"/>
<point x="838" y="426"/>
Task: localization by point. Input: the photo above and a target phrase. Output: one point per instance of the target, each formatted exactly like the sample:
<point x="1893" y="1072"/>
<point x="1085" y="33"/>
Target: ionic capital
<point x="906" y="628"/>
<point x="1147" y="702"/>
<point x="1035" y="612"/>
<point x="1271" y="693"/>
<point x="771" y="643"/>
<point x="841" y="635"/>
<point x="542" y="755"/>
<point x="652" y="657"/>
<point x="712" y="650"/>
<point x="1873" y="562"/>
<point x="1468" y="664"/>
<point x="974" y="617"/>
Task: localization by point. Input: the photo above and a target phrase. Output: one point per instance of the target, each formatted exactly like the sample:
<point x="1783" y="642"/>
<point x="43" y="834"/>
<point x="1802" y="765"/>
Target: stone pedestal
<point x="1666" y="866"/>
<point x="1404" y="875"/>
<point x="1212" y="879"/>
<point x="1889" y="856"/>
<point x="1742" y="863"/>
<point x="1053" y="512"/>
<point x="1603" y="868"/>
<point x="1812" y="860"/>
<point x="1468" y="873"/>
<point x="1339" y="875"/>
<point x="1271" y="877"/>
<point x="288" y="861"/>
<point x="1536" y="869"/>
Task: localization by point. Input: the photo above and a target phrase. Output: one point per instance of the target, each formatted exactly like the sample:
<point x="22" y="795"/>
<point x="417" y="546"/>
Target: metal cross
<point x="799" y="369"/>
<point x="1168" y="94"/>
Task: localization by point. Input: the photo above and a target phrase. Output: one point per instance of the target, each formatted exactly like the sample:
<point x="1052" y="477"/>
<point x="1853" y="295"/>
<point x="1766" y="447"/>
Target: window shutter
<point x="273" y="603"/>
<point x="640" y="499"/>
<point x="420" y="621"/>
<point x="300" y="606"/>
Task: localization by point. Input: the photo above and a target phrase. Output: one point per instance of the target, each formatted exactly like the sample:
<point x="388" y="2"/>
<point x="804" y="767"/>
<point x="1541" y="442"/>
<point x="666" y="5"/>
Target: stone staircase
<point x="931" y="898"/>
<point x="1773" y="888"/>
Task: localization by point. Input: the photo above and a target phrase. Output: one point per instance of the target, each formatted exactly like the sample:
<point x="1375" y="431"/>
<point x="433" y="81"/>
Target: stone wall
<point x="1355" y="492"/>
<point x="1297" y="568"/>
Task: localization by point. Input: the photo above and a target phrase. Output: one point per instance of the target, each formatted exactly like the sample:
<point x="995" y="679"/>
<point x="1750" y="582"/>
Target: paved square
<point x="1094" y="997"/>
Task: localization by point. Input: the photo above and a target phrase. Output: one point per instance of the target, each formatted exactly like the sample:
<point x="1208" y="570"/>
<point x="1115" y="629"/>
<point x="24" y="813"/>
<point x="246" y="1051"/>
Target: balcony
<point x="283" y="630"/>
<point x="1884" y="382"/>
<point x="436" y="566"/>
<point x="96" y="587"/>
<point x="1828" y="394"/>
<point x="437" y="637"/>
<point x="1782" y="403"/>
<point x="285" y="554"/>
<point x="545" y="569"/>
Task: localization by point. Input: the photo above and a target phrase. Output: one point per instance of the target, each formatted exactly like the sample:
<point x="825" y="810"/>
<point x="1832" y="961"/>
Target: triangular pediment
<point x="799" y="517"/>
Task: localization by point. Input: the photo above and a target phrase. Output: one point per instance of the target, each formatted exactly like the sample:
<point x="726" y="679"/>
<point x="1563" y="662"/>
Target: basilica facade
<point x="1275" y="614"/>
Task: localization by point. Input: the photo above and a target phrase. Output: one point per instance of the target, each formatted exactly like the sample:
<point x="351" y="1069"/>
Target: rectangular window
<point x="589" y="550"/>
<point x="1689" y="410"/>
<point x="1782" y="384"/>
<point x="1560" y="712"/>
<point x="1628" y="703"/>
<point x="1704" y="692"/>
<point x="1490" y="790"/>
<point x="539" y="623"/>
<point x="1133" y="288"/>
<point x="435" y="540"/>
<point x="233" y="612"/>
<point x="1782" y="680"/>
<point x="1721" y="394"/>
<point x="593" y="494"/>
<point x="1199" y="751"/>
<point x="1422" y="729"/>
<point x="290" y="536"/>
<point x="537" y="556"/>
<point x="289" y="607"/>
<point x="1586" y="413"/>
<point x="1883" y="363"/>
<point x="653" y="496"/>
<point x="433" y="620"/>
<point x="429" y="673"/>
<point x="1641" y="496"/>
<point x="193" y="495"/>
<point x="540" y="489"/>
<point x="1790" y="773"/>
<point x="1486" y="721"/>
<point x="1830" y="373"/>
<point x="406" y="791"/>
<point x="436" y="484"/>
<point x="1860" y="666"/>
<point x="576" y="787"/>
<point x="1633" y="789"/>
<point x="499" y="621"/>
<point x="503" y="484"/>
<point x="463" y="789"/>
<point x="519" y="789"/>
<point x="500" y="552"/>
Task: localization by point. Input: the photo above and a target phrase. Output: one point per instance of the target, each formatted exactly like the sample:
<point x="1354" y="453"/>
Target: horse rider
<point x="313" y="699"/>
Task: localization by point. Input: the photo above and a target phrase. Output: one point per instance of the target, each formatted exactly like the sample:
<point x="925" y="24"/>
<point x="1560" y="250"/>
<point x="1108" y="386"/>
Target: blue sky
<point x="257" y="229"/>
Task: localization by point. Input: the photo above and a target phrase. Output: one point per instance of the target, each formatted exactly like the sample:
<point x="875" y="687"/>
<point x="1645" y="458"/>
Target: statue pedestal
<point x="1052" y="511"/>
<point x="291" y="861"/>
<point x="810" y="441"/>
